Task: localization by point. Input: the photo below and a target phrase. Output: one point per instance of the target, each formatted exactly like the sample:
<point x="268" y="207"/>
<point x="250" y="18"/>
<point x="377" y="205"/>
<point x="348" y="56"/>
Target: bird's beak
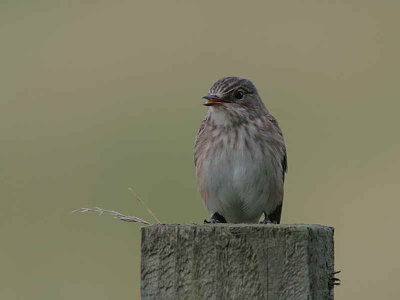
<point x="212" y="99"/>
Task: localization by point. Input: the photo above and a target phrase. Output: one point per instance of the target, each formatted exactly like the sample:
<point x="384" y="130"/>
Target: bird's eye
<point x="239" y="94"/>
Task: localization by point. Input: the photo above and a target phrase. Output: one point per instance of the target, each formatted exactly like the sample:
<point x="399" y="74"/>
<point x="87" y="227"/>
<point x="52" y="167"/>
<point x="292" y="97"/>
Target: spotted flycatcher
<point x="240" y="155"/>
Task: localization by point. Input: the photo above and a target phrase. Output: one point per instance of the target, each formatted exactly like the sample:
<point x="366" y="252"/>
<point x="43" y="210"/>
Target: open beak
<point x="212" y="99"/>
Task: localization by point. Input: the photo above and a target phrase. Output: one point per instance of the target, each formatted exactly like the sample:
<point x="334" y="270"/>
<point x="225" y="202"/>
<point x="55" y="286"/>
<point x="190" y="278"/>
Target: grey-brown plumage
<point x="240" y="155"/>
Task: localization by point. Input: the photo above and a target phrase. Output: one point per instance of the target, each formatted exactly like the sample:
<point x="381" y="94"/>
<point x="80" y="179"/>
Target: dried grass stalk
<point x="114" y="213"/>
<point x="150" y="212"/>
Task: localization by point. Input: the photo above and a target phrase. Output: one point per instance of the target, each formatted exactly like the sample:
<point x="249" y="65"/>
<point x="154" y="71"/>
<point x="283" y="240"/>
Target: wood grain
<point x="230" y="261"/>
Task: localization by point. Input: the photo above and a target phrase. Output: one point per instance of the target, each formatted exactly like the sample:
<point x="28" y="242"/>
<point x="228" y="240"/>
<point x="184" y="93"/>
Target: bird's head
<point x="230" y="92"/>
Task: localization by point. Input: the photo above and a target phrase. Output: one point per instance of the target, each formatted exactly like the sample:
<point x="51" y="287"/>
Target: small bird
<point x="240" y="155"/>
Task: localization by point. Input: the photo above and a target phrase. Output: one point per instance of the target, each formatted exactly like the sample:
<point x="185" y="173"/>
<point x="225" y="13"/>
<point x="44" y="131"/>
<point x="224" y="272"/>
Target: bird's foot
<point x="266" y="220"/>
<point x="215" y="218"/>
<point x="333" y="280"/>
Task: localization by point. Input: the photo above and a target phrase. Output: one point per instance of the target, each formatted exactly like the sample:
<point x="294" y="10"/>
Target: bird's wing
<point x="197" y="141"/>
<point x="284" y="164"/>
<point x="275" y="216"/>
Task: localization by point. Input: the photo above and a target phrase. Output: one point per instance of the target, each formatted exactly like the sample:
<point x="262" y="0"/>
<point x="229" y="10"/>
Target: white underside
<point x="238" y="184"/>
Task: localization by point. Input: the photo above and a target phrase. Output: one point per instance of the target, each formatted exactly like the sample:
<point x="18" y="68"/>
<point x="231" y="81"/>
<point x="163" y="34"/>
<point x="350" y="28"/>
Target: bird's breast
<point x="234" y="170"/>
<point x="232" y="158"/>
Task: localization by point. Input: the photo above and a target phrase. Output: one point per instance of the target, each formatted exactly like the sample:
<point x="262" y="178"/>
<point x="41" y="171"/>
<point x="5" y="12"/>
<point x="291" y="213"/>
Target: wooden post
<point x="232" y="261"/>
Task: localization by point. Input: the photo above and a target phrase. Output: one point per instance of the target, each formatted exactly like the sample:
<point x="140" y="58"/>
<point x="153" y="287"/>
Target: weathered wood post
<point x="229" y="261"/>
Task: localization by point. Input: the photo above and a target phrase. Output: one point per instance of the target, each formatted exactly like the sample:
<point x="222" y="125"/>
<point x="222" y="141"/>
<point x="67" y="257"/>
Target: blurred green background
<point x="99" y="96"/>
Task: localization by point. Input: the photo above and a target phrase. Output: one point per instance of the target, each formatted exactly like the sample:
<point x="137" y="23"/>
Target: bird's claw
<point x="267" y="220"/>
<point x="215" y="218"/>
<point x="211" y="221"/>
